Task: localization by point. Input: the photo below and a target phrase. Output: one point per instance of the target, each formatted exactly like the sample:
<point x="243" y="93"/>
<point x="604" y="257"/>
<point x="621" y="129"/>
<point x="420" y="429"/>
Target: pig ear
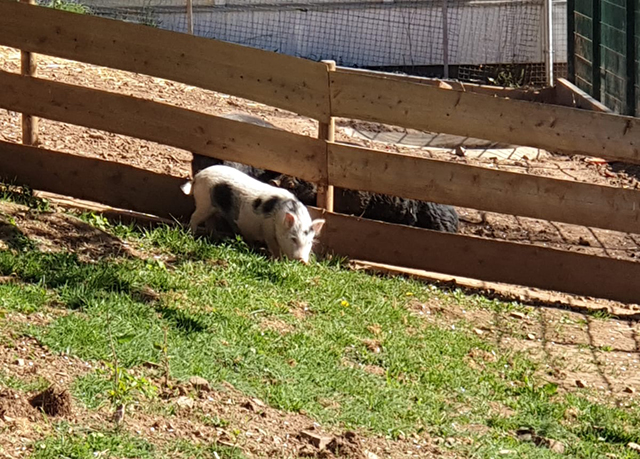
<point x="274" y="182"/>
<point x="317" y="225"/>
<point x="289" y="220"/>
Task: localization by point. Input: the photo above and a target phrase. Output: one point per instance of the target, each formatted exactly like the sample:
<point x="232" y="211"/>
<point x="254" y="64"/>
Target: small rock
<point x="477" y="331"/>
<point x="252" y="405"/>
<point x="629" y="390"/>
<point x="580" y="383"/>
<point x="633" y="446"/>
<point x="556" y="446"/>
<point x="443" y="85"/>
<point x="531" y="336"/>
<point x="20" y="362"/>
<point x="184" y="402"/>
<point x="518" y="315"/>
<point x="317" y="440"/>
<point x="199" y="383"/>
<point x="370" y="455"/>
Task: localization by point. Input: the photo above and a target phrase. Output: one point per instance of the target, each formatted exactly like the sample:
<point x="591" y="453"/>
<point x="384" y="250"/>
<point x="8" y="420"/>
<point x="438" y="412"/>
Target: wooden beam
<point x="327" y="132"/>
<point x="517" y="122"/>
<point x="537" y="95"/>
<point x="477" y="258"/>
<point x="110" y="183"/>
<point x="207" y="135"/>
<point x="283" y="81"/>
<point x="485" y="189"/>
<point x="569" y="95"/>
<point x="29" y="67"/>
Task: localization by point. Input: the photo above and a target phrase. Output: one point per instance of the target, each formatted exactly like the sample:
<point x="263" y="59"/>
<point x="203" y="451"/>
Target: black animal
<point x="374" y="206"/>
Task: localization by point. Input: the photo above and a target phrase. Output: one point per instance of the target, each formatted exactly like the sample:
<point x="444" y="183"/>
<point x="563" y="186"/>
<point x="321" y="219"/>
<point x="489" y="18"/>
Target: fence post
<point x="596" y="39"/>
<point x="190" y="16"/>
<point x="631" y="57"/>
<point x="28" y="67"/>
<point x="571" y="44"/>
<point x="327" y="132"/>
<point x="548" y="9"/>
<point x="445" y="40"/>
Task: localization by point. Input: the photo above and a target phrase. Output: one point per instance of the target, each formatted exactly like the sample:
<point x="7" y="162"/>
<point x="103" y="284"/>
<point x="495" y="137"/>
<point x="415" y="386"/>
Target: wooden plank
<point x="207" y="135"/>
<point x="110" y="183"/>
<point x="485" y="189"/>
<point x="276" y="79"/>
<point x="555" y="128"/>
<point x="538" y="95"/>
<point x="477" y="258"/>
<point x="29" y="67"/>
<point x="505" y="292"/>
<point x="569" y="95"/>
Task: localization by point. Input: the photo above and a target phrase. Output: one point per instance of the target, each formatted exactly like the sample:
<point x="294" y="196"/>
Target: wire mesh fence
<point x="485" y="41"/>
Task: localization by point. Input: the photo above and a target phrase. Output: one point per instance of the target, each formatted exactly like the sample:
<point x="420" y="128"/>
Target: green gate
<point x="603" y="48"/>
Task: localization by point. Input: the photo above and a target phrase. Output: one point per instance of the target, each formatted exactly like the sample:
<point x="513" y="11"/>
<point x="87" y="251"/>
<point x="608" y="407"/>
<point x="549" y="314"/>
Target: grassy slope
<point x="338" y="344"/>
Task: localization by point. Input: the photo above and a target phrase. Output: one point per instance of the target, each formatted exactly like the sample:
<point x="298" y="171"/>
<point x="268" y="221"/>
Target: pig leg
<point x="274" y="248"/>
<point x="200" y="215"/>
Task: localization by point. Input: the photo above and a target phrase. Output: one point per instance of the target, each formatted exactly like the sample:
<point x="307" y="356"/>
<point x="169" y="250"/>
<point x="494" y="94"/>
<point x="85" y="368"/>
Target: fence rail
<point x="499" y="115"/>
<point x="275" y="79"/>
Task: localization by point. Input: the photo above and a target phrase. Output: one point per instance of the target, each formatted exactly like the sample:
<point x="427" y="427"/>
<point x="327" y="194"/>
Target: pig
<point x="259" y="212"/>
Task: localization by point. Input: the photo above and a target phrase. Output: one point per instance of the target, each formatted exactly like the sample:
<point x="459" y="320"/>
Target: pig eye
<point x="294" y="239"/>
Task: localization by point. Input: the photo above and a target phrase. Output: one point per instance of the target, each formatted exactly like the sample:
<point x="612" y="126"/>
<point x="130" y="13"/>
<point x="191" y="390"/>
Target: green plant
<point x="70" y="5"/>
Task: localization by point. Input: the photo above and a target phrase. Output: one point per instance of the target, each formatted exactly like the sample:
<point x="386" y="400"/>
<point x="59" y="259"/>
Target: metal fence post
<point x="631" y="58"/>
<point x="571" y="43"/>
<point x="596" y="39"/>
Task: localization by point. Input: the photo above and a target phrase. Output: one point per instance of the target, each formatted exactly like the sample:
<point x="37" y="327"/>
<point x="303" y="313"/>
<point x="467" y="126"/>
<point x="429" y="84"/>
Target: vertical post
<point x="548" y="9"/>
<point x="327" y="132"/>
<point x="596" y="38"/>
<point x="190" y="16"/>
<point x="571" y="40"/>
<point x="28" y="67"/>
<point x="445" y="39"/>
<point x="631" y="57"/>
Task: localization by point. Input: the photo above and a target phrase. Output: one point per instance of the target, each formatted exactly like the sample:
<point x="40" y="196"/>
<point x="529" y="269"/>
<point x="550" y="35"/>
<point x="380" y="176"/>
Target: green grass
<point x="214" y="302"/>
<point x="72" y="443"/>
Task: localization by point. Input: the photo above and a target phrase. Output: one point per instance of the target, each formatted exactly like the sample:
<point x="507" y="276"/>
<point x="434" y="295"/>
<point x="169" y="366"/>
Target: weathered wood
<point x="518" y="122"/>
<point x="485" y="189"/>
<point x="207" y="135"/>
<point x="569" y="95"/>
<point x="483" y="259"/>
<point x="327" y="132"/>
<point x="29" y="67"/>
<point x="534" y="95"/>
<point x="276" y="79"/>
<point x="110" y="183"/>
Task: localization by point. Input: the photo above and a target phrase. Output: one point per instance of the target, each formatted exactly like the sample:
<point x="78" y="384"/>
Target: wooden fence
<point x="320" y="91"/>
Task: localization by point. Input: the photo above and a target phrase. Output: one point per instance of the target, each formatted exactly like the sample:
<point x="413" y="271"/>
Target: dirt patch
<point x="13" y="405"/>
<point x="604" y="354"/>
<point x="54" y="401"/>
